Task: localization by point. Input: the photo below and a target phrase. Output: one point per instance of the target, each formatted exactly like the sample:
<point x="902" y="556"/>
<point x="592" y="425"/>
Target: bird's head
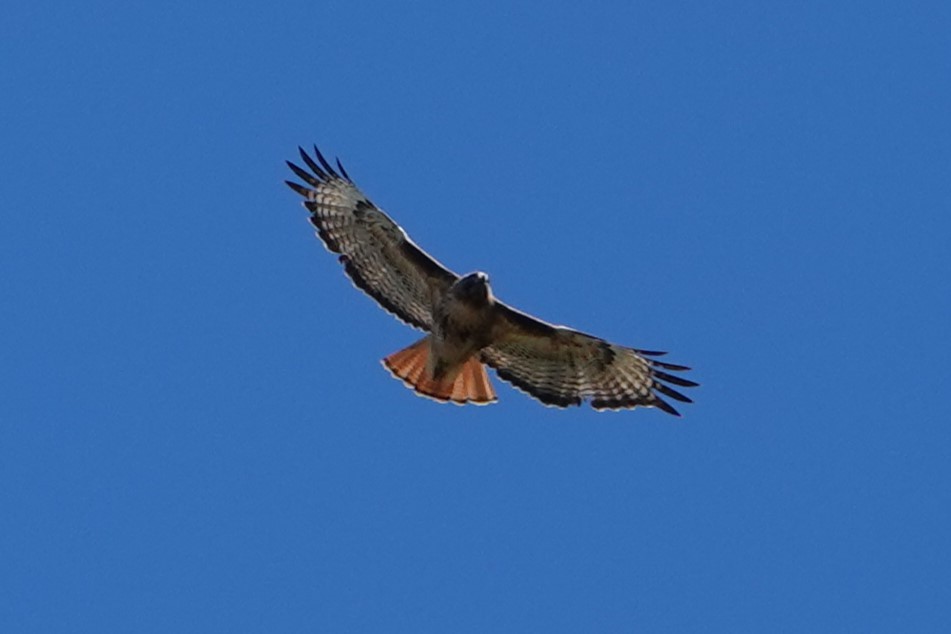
<point x="473" y="288"/>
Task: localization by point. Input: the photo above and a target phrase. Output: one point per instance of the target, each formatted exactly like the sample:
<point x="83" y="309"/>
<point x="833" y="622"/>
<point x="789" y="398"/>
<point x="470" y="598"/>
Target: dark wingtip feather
<point x="664" y="405"/>
<point x="669" y="366"/>
<point x="671" y="392"/>
<point x="311" y="164"/>
<point x="303" y="174"/>
<point x="327" y="166"/>
<point x="300" y="189"/>
<point x="676" y="380"/>
<point x="343" y="171"/>
<point x="650" y="353"/>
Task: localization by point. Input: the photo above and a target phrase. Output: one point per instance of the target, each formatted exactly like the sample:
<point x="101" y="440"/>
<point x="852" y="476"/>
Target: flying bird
<point x="468" y="328"/>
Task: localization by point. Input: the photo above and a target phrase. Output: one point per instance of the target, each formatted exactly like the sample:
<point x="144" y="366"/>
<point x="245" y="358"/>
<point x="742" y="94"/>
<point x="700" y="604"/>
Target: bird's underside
<point x="467" y="327"/>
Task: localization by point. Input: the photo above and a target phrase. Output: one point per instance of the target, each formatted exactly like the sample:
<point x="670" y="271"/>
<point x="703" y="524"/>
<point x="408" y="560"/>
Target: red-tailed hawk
<point x="467" y="326"/>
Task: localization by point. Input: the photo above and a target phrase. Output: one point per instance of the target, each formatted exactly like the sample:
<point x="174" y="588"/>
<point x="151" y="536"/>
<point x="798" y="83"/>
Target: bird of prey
<point x="468" y="328"/>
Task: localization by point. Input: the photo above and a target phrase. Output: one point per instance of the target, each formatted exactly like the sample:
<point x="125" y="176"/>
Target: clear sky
<point x="196" y="434"/>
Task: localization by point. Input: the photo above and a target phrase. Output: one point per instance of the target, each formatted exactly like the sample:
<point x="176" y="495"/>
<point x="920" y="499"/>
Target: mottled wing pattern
<point x="563" y="367"/>
<point x="375" y="251"/>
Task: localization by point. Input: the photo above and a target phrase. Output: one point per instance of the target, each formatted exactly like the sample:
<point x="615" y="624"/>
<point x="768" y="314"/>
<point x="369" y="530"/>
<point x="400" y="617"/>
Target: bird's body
<point x="462" y="323"/>
<point x="468" y="327"/>
<point x="463" y="319"/>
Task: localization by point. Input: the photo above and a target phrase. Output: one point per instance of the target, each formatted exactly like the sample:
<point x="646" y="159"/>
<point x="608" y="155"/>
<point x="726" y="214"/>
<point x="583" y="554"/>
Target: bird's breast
<point x="463" y="326"/>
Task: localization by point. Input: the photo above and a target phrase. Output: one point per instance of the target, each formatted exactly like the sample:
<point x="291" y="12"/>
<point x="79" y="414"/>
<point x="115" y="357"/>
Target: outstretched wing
<point x="375" y="251"/>
<point x="563" y="367"/>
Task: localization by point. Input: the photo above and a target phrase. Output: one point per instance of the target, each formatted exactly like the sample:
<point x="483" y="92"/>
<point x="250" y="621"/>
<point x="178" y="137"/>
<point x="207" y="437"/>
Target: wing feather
<point x="376" y="253"/>
<point x="563" y="367"/>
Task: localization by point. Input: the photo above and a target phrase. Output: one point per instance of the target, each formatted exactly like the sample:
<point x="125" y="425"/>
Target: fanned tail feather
<point x="470" y="384"/>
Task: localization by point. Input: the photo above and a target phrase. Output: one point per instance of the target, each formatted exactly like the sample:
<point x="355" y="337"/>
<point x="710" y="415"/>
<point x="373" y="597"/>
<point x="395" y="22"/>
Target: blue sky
<point x="195" y="431"/>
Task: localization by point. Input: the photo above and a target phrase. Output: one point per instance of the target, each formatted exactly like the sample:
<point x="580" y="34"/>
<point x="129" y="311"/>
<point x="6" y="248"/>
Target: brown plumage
<point x="468" y="327"/>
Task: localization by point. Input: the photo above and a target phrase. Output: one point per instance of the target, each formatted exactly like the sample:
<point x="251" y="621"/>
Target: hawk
<point x="468" y="327"/>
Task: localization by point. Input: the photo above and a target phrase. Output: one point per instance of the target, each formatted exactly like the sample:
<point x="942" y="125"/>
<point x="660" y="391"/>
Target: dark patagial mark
<point x="606" y="357"/>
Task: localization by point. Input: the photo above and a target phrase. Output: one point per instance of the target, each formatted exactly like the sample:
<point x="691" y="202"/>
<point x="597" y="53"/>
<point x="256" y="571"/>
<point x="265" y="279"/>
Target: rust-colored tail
<point x="469" y="385"/>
